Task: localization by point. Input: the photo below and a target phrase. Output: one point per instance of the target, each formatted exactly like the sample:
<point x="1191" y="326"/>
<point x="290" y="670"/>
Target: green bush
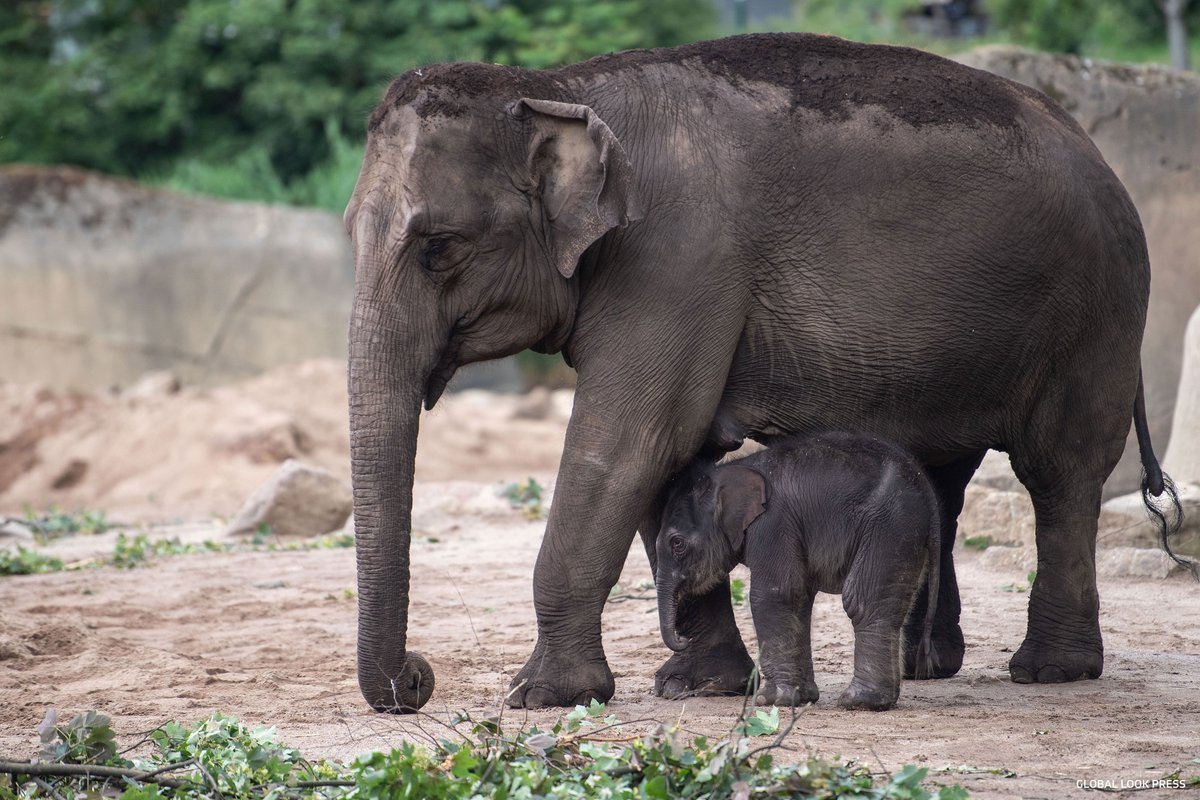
<point x="268" y="99"/>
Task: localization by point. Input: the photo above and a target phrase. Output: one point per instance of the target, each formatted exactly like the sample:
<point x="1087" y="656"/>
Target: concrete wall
<point x="102" y="280"/>
<point x="1146" y="122"/>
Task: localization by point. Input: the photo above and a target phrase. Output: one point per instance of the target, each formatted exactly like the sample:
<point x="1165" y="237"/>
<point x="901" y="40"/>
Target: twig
<point x="87" y="771"/>
<point x="48" y="789"/>
<point x="167" y="768"/>
<point x="211" y="781"/>
<point x="462" y="600"/>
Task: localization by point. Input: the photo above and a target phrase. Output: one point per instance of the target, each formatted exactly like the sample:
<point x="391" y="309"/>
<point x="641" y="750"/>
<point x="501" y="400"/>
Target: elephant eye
<point x="677" y="544"/>
<point x="431" y="254"/>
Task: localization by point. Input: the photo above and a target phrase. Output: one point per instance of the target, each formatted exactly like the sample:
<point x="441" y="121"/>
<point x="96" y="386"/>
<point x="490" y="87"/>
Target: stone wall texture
<point x="1146" y="122"/>
<point x="102" y="280"/>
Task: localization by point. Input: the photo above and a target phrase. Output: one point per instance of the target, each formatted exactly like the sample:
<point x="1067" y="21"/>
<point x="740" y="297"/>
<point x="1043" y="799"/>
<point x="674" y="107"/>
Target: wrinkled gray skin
<point x="840" y="513"/>
<point x="811" y="233"/>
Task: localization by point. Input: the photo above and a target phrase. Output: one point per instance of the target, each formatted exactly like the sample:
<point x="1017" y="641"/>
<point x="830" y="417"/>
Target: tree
<point x="138" y="87"/>
<point x="1177" y="38"/>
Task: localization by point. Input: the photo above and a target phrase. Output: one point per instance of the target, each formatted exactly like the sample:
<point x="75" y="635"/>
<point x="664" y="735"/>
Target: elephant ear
<point x="583" y="177"/>
<point x="741" y="498"/>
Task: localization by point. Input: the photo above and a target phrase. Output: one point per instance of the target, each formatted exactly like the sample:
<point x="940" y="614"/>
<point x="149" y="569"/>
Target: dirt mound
<point x="154" y="452"/>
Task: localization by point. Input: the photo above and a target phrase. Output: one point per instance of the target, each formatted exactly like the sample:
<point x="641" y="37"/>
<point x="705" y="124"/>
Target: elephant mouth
<point x="446" y="366"/>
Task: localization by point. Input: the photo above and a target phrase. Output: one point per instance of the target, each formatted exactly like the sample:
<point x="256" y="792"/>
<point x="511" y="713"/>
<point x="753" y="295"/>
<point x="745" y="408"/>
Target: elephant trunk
<point x="385" y="402"/>
<point x="667" y="612"/>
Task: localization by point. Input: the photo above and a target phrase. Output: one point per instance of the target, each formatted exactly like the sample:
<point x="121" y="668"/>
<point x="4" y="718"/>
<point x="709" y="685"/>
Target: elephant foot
<point x="549" y="679"/>
<point x="946" y="650"/>
<point x="1038" y="663"/>
<point x="722" y="668"/>
<point x="872" y="698"/>
<point x="786" y="694"/>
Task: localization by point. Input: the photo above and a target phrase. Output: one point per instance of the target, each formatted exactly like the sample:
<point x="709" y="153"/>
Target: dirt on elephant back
<point x="269" y="637"/>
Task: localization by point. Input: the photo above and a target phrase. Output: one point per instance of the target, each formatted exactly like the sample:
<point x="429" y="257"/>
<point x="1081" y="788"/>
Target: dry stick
<point x="87" y="771"/>
<point x="48" y="789"/>
<point x="462" y="600"/>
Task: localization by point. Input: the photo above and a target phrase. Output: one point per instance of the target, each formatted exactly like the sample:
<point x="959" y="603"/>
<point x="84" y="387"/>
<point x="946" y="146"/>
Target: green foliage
<point x="1058" y="25"/>
<point x="977" y="542"/>
<point x="27" y="562"/>
<point x="231" y="759"/>
<point x="578" y="757"/>
<point x="130" y="553"/>
<point x="526" y="496"/>
<point x="762" y="723"/>
<point x="737" y="591"/>
<point x="141" y="550"/>
<point x="87" y="739"/>
<point x="55" y="523"/>
<point x="267" y="99"/>
<point x="1123" y="30"/>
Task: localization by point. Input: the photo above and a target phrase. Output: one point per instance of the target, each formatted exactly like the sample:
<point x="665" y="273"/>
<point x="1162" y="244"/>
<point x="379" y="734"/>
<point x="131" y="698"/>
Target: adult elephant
<point x="808" y="233"/>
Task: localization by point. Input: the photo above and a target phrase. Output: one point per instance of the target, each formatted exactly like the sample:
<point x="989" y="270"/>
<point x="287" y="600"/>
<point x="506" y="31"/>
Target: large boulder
<point x="299" y="500"/>
<point x="102" y="280"/>
<point x="1145" y="121"/>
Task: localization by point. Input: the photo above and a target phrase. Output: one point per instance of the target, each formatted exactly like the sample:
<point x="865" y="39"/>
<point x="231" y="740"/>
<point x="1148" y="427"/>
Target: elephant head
<point x="702" y="536"/>
<point x="473" y="207"/>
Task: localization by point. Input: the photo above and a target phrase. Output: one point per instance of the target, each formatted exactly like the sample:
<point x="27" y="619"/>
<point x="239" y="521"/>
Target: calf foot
<point x="946" y="650"/>
<point x="873" y="698"/>
<point x="702" y="670"/>
<point x="561" y="679"/>
<point x="786" y="694"/>
<point x="1035" y="662"/>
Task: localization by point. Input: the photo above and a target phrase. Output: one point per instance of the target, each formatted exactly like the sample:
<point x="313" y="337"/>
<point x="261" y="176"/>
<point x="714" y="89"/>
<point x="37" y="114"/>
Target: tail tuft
<point x="1166" y="514"/>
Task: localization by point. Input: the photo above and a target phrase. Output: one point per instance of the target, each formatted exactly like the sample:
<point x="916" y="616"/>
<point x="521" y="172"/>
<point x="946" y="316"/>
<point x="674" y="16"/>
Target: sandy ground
<point x="269" y="636"/>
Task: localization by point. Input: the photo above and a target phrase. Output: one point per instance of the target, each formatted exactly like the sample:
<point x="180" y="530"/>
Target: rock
<point x="1182" y="459"/>
<point x="1004" y="517"/>
<point x="297" y="501"/>
<point x="1135" y="562"/>
<point x="996" y="473"/>
<point x="153" y="385"/>
<point x="1143" y="119"/>
<point x="1124" y="523"/>
<point x="14" y="532"/>
<point x="1009" y="559"/>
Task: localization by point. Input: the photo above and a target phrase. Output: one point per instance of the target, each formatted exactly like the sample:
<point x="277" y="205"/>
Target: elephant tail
<point x="933" y="574"/>
<point x="1165" y="512"/>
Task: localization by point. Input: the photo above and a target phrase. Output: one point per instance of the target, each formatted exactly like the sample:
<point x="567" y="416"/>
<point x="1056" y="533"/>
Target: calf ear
<point x="583" y="179"/>
<point x="741" y="499"/>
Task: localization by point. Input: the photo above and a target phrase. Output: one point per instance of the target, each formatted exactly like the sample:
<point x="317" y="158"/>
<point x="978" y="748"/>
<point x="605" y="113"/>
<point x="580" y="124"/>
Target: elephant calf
<point x="835" y="512"/>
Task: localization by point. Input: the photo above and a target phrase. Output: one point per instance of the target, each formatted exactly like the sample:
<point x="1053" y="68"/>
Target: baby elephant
<point x="835" y="512"/>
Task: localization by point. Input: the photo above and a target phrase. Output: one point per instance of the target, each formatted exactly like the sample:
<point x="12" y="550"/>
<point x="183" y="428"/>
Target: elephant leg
<point x="950" y="482"/>
<point x="715" y="661"/>
<point x="1070" y="449"/>
<point x="591" y="527"/>
<point x="615" y="462"/>
<point x="783" y="623"/>
<point x="876" y="681"/>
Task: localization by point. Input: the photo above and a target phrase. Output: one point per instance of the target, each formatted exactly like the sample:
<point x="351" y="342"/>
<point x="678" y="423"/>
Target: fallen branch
<point x="90" y="771"/>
